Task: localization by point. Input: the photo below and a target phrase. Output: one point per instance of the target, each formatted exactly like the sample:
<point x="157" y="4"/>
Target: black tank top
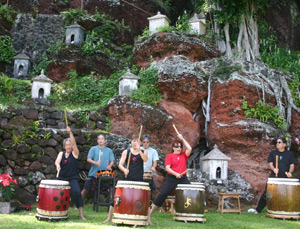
<point x="68" y="167"/>
<point x="136" y="167"/>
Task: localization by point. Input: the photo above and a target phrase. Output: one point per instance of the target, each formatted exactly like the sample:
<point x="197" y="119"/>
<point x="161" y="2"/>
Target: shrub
<point x="7" y="51"/>
<point x="265" y="113"/>
<point x="148" y="91"/>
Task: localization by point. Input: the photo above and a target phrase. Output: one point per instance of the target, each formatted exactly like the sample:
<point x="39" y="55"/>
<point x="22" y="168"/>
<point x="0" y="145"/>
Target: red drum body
<point x="131" y="203"/>
<point x="189" y="202"/>
<point x="53" y="200"/>
<point x="283" y="198"/>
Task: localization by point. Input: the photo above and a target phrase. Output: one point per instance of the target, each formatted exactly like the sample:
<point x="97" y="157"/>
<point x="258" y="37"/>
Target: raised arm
<point x="188" y="147"/>
<point x="73" y="142"/>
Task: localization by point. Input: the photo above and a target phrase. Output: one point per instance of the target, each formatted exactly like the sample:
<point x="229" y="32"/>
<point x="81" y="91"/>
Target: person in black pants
<point x="67" y="166"/>
<point x="176" y="168"/>
<point x="135" y="171"/>
<point x="286" y="165"/>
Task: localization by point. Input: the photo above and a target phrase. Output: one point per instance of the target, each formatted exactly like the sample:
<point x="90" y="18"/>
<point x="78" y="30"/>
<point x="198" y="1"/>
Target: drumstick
<point x="128" y="162"/>
<point x="66" y="118"/>
<point x="140" y="134"/>
<point x="276" y="165"/>
<point x="175" y="129"/>
<point x="183" y="172"/>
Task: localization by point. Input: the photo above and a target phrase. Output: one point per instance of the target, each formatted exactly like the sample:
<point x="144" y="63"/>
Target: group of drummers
<point x="140" y="159"/>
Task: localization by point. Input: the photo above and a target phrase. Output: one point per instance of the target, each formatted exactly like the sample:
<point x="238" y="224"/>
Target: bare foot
<point x="107" y="220"/>
<point x="149" y="222"/>
<point x="82" y="217"/>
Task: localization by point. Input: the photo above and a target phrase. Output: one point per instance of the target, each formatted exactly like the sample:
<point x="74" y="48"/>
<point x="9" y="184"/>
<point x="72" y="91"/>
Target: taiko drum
<point x="283" y="198"/>
<point x="189" y="202"/>
<point x="131" y="203"/>
<point x="53" y="200"/>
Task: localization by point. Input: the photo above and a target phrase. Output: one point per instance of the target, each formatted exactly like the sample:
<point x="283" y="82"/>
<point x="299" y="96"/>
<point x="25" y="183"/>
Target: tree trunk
<point x="227" y="37"/>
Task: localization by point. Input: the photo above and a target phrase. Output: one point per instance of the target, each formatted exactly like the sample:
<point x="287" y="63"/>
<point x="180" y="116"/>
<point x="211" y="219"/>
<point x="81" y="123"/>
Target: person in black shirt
<point x="67" y="166"/>
<point x="135" y="171"/>
<point x="286" y="165"/>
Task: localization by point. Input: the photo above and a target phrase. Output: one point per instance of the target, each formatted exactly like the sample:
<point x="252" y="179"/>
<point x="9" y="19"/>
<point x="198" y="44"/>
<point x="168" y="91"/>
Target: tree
<point x="237" y="14"/>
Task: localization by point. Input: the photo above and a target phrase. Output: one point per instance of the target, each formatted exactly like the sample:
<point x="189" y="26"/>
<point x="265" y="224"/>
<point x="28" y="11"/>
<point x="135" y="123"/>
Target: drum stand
<point x="111" y="193"/>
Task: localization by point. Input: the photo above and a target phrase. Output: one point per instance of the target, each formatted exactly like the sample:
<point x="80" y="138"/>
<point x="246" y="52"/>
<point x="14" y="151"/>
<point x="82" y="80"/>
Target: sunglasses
<point x="177" y="146"/>
<point x="145" y="142"/>
<point x="279" y="142"/>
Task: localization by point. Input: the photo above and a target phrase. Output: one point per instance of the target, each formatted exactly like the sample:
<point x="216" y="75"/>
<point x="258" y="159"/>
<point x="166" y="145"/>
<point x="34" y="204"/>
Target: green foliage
<point x="265" y="113"/>
<point x="182" y="24"/>
<point x="13" y="90"/>
<point x="224" y="69"/>
<point x="91" y="89"/>
<point x="83" y="116"/>
<point x="42" y="61"/>
<point x="279" y="58"/>
<point x="34" y="132"/>
<point x="7" y="13"/>
<point x="73" y="15"/>
<point x="7" y="51"/>
<point x="108" y="125"/>
<point x="148" y="91"/>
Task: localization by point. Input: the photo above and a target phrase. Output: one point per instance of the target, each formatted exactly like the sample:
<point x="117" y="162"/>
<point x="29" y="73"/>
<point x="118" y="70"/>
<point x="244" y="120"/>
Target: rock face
<point x="164" y="44"/>
<point x="117" y="9"/>
<point x="180" y="80"/>
<point x="74" y="59"/>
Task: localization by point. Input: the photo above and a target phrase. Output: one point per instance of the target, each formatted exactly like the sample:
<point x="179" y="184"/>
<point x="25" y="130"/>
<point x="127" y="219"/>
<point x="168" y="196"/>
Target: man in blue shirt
<point x="151" y="164"/>
<point x="101" y="158"/>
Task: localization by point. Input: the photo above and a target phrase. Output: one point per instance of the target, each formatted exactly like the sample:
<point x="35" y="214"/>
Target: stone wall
<point x="28" y="151"/>
<point x="35" y="33"/>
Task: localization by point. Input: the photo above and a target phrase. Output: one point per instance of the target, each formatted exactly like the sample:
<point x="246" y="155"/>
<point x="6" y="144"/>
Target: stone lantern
<point x="215" y="163"/>
<point x="21" y="65"/>
<point x="198" y="24"/>
<point x="74" y="34"/>
<point x="41" y="86"/>
<point x="157" y="21"/>
<point x="128" y="82"/>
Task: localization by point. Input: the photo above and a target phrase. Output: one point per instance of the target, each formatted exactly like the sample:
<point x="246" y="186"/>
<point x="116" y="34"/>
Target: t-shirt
<point x="285" y="159"/>
<point x="177" y="162"/>
<point x="152" y="156"/>
<point x="107" y="156"/>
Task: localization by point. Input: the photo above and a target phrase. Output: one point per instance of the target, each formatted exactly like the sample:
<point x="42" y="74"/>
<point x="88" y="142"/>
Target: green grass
<point x="215" y="220"/>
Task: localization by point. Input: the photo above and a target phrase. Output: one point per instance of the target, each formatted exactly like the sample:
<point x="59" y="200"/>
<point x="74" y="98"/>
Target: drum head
<point x="133" y="184"/>
<point x="54" y="182"/>
<point x="190" y="187"/>
<point x="288" y="181"/>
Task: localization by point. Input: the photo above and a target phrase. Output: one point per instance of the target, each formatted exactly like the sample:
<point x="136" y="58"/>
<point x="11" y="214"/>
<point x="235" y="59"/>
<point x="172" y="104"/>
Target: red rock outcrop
<point x="247" y="141"/>
<point x="74" y="59"/>
<point x="184" y="85"/>
<point x="127" y="116"/>
<point x="164" y="44"/>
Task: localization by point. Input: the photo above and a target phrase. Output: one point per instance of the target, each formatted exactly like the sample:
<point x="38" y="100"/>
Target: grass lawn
<point x="215" y="220"/>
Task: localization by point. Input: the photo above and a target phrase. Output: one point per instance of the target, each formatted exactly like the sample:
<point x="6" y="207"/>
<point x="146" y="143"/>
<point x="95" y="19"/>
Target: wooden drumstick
<point x="183" y="172"/>
<point x="276" y="174"/>
<point x="140" y="134"/>
<point x="175" y="129"/>
<point x="66" y="118"/>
